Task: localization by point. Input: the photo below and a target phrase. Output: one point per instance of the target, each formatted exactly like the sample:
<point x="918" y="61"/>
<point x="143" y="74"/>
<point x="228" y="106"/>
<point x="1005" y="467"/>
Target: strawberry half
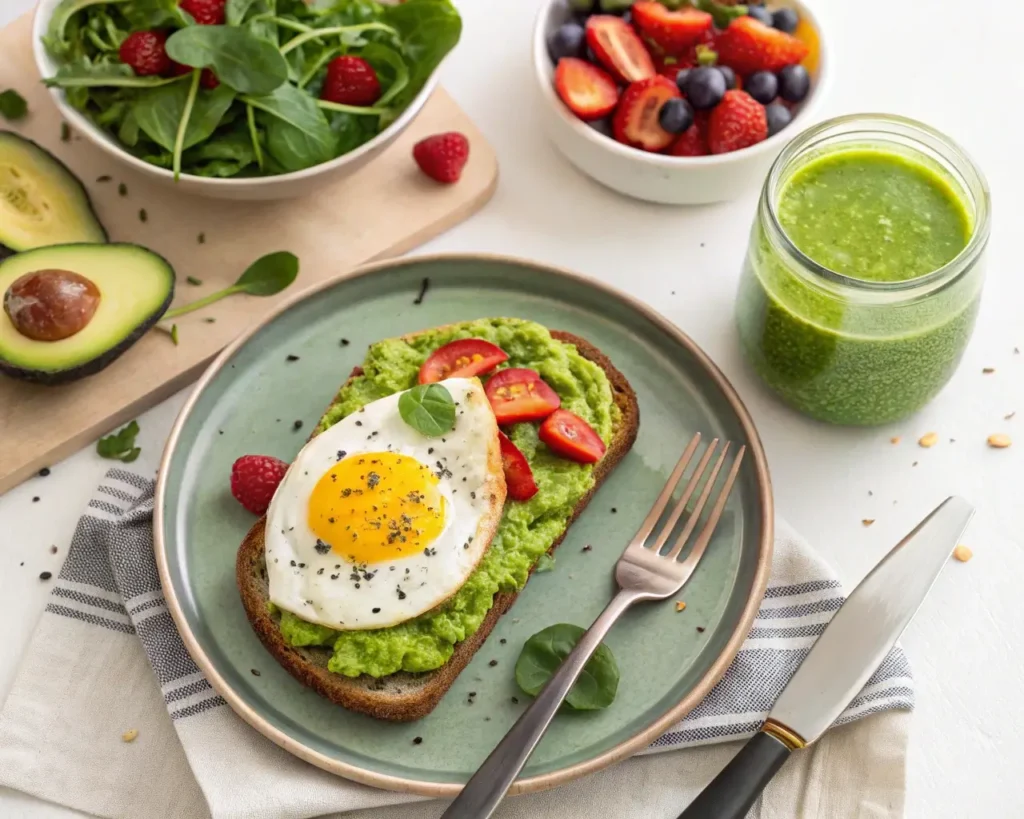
<point x="589" y="91"/>
<point x="636" y="118"/>
<point x="747" y="46"/>
<point x="738" y="121"/>
<point x="674" y="31"/>
<point x="620" y="50"/>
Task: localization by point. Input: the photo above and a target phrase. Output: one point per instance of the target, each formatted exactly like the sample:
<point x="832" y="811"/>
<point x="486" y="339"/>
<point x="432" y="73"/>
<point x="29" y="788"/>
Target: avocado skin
<point x="72" y="178"/>
<point x="52" y="378"/>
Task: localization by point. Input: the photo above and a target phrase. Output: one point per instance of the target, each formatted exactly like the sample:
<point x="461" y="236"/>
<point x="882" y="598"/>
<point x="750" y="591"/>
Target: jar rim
<point x="880" y="126"/>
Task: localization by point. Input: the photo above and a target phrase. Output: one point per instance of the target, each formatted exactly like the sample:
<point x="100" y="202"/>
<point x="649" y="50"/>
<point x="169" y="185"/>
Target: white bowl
<point x="659" y="178"/>
<point x="282" y="186"/>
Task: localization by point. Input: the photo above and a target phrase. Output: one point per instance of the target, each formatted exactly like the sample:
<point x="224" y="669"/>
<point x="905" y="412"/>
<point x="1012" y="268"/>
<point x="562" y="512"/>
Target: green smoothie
<point x="835" y="350"/>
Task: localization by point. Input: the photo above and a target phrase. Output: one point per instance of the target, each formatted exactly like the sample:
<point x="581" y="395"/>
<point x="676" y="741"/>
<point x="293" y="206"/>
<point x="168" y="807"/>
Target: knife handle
<point x="732" y="793"/>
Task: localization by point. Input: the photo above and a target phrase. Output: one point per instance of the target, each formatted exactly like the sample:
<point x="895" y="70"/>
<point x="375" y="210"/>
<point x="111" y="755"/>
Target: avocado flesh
<point x="136" y="287"/>
<point x="41" y="202"/>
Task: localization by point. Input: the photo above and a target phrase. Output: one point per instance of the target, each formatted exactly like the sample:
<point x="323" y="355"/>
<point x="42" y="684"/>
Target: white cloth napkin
<point x="88" y="677"/>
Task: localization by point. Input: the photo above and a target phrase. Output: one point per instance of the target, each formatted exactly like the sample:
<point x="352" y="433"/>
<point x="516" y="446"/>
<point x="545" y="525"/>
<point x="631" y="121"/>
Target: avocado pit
<point x="52" y="304"/>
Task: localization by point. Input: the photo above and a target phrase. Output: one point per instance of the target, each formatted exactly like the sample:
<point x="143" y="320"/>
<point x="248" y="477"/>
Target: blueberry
<point x="763" y="86"/>
<point x="760" y="13"/>
<point x="705" y="87"/>
<point x="675" y="116"/>
<point x="794" y="83"/>
<point x="778" y="117"/>
<point x="785" y="20"/>
<point x="681" y="80"/>
<point x="569" y="40"/>
<point x="729" y="74"/>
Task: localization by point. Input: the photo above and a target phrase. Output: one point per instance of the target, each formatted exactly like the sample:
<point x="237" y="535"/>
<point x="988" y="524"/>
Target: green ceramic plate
<point x="249" y="400"/>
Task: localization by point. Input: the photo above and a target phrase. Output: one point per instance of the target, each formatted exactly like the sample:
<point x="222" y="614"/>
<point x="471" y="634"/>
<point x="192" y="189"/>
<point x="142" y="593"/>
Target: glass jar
<point x="860" y="350"/>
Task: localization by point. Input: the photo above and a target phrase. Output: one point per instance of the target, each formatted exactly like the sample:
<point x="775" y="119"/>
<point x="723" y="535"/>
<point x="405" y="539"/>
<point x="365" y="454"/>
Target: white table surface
<point x="952" y="66"/>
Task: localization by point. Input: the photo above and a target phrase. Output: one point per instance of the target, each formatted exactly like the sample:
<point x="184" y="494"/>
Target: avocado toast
<point x="413" y="687"/>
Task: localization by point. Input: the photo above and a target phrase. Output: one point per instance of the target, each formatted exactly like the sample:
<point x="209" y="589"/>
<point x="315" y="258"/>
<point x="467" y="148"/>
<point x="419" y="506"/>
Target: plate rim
<point x="532" y="784"/>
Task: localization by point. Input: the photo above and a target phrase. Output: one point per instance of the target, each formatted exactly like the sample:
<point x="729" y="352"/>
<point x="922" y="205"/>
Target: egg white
<point x="328" y="588"/>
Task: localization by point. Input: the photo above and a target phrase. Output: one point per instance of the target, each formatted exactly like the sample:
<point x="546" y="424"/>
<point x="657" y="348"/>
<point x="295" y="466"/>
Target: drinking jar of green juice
<point x="864" y="271"/>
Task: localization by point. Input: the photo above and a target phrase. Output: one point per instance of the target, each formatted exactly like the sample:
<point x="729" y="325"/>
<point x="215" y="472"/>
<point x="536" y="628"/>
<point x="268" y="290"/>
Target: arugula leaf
<point x="298" y="134"/>
<point x="55" y="39"/>
<point x="12" y="105"/>
<point x="159" y="113"/>
<point x="428" y="408"/>
<point x="247" y="63"/>
<point x="544" y="652"/>
<point x="266" y="276"/>
<point x="121" y="445"/>
<point x="113" y="75"/>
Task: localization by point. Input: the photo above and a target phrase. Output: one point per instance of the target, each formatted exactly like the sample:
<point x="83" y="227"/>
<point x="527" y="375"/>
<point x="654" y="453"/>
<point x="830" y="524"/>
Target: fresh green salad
<point x="250" y="94"/>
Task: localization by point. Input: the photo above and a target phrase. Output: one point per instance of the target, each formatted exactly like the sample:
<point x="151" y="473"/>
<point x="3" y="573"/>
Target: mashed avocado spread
<point x="527" y="529"/>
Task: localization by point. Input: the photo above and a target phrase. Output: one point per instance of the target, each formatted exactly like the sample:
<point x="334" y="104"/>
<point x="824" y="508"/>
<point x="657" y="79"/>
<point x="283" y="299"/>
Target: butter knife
<point x="842" y="660"/>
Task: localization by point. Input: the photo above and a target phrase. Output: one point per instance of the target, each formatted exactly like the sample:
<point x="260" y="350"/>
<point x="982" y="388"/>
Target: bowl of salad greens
<point x="236" y="99"/>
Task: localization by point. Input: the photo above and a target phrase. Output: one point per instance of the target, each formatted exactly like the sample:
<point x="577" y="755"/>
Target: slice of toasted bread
<point x="406" y="696"/>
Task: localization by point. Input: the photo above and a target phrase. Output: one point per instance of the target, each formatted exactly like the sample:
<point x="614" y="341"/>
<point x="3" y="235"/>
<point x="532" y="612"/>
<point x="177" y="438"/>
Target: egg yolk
<point x="376" y="506"/>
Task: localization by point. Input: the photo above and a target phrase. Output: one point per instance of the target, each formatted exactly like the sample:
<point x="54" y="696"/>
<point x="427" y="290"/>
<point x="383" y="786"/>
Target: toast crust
<point x="406" y="696"/>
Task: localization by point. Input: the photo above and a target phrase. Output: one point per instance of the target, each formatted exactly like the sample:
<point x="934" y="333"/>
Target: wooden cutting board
<point x="386" y="209"/>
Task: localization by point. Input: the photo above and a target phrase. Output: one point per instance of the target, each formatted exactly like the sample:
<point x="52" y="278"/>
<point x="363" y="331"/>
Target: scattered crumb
<point x="492" y="663"/>
<point x="963" y="553"/>
<point x="929" y="439"/>
<point x="700" y="629"/>
<point x="867" y="521"/>
<point x="291" y="357"/>
<point x="104" y="178"/>
<point x="914" y="463"/>
<point x="614" y="510"/>
<point x="999" y="441"/>
<point x="201" y="238"/>
<point x="194" y="281"/>
<point x="515" y="700"/>
<point x="65" y="132"/>
<point x="53" y="550"/>
<point x="870" y="493"/>
<point x="417" y="740"/>
<point x="1010" y="415"/>
<point x="254" y="671"/>
<point x="143" y="216"/>
<point x="503" y="641"/>
<point x="680" y="605"/>
<point x="952" y="440"/>
<point x="22" y="563"/>
<point x="587" y="548"/>
<point x="297" y="424"/>
<point x="122" y="189"/>
<point x="1016" y="350"/>
<point x="44" y="472"/>
<point x="894" y="440"/>
<point x="988" y="370"/>
<point x="702" y="244"/>
<point x="344" y="342"/>
<point x="35" y="499"/>
<point x="45" y="575"/>
<point x="130" y="735"/>
<point x="209" y="320"/>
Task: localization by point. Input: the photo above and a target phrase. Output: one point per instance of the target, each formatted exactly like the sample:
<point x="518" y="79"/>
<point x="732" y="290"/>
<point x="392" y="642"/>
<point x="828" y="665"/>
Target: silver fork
<point x="642" y="573"/>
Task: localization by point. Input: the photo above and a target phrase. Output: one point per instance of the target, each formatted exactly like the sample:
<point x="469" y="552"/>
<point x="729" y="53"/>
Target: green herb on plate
<point x="194" y="280"/>
<point x="546" y="563"/>
<point x="121" y="445"/>
<point x="12" y="105"/>
<point x="174" y="334"/>
<point x="428" y="409"/>
<point x="266" y="276"/>
<point x="543" y="653"/>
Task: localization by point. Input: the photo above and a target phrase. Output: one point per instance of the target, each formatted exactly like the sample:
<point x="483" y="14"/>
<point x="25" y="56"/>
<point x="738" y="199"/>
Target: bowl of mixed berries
<point x="677" y="101"/>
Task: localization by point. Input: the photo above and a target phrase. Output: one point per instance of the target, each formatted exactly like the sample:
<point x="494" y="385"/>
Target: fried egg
<point x="375" y="523"/>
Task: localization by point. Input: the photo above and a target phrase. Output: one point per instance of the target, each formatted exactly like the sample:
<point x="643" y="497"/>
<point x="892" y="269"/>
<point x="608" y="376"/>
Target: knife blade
<point x="843" y="658"/>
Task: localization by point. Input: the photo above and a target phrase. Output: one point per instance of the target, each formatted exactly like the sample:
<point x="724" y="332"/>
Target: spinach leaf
<point x="428" y="29"/>
<point x="144" y="14"/>
<point x="128" y="132"/>
<point x="544" y="652"/>
<point x="352" y="131"/>
<point x="238" y="58"/>
<point x="266" y="276"/>
<point x="160" y="112"/>
<point x="121" y="445"/>
<point x="112" y="75"/>
<point x="390" y="68"/>
<point x="428" y="408"/>
<point x="298" y="134"/>
<point x="12" y="105"/>
<point x="226" y="154"/>
<point x="235" y="11"/>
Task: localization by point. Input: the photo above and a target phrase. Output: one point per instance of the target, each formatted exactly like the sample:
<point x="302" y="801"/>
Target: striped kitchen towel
<point x="86" y="685"/>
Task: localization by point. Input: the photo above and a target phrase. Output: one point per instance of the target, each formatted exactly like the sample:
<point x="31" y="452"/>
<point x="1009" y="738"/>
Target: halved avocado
<point x="41" y="202"/>
<point x="135" y="287"/>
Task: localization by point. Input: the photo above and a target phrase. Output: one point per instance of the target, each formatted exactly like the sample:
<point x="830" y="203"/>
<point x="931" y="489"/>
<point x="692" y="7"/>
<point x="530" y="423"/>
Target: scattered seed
<point x="587" y="548"/>
<point x="999" y="441"/>
<point x="44" y="472"/>
<point x="1009" y="416"/>
<point x="201" y="238"/>
<point x="122" y="189"/>
<point x="193" y="280"/>
<point x="209" y="320"/>
<point x="344" y="342"/>
<point x="35" y="499"/>
<point x="417" y="740"/>
<point x="129" y="735"/>
<point x="104" y="178"/>
<point x="963" y="553"/>
<point x="53" y="550"/>
<point x="929" y="439"/>
<point x="914" y="463"/>
<point x="701" y="629"/>
<point x="614" y="510"/>
<point x="680" y="605"/>
<point x="65" y="132"/>
<point x="988" y="370"/>
<point x="503" y="641"/>
<point x="254" y="671"/>
<point x="297" y="424"/>
<point x="895" y="440"/>
<point x="143" y="216"/>
<point x="174" y="334"/>
<point x="515" y="700"/>
<point x="291" y="357"/>
<point x="868" y="521"/>
<point x="870" y="493"/>
<point x="492" y="663"/>
<point x="45" y="575"/>
<point x="1016" y="350"/>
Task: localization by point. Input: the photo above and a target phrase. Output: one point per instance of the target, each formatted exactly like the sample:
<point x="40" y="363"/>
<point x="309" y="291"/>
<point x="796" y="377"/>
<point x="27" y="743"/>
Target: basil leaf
<point x="12" y="105"/>
<point x="240" y="59"/>
<point x="428" y="409"/>
<point x="544" y="652"/>
<point x="266" y="276"/>
<point x="298" y="134"/>
<point x="121" y="445"/>
<point x="159" y="112"/>
<point x="546" y="563"/>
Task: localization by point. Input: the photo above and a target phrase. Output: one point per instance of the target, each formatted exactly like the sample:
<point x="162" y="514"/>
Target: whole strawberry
<point x="146" y="53"/>
<point x="254" y="479"/>
<point x="350" y="81"/>
<point x="738" y="121"/>
<point x="205" y="12"/>
<point x="442" y="156"/>
<point x="748" y="45"/>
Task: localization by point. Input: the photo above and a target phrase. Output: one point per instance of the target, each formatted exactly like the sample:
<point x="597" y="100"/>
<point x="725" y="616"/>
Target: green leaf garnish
<point x="12" y="105"/>
<point x="545" y="563"/>
<point x="429" y="409"/>
<point x="721" y="13"/>
<point x="543" y="653"/>
<point x="174" y="334"/>
<point x="121" y="445"/>
<point x="266" y="276"/>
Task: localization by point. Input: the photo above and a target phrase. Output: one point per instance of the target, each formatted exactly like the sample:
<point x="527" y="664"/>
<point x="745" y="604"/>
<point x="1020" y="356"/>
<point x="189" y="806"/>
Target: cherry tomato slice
<point x="571" y="437"/>
<point x="518" y="394"/>
<point x="518" y="475"/>
<point x="461" y="359"/>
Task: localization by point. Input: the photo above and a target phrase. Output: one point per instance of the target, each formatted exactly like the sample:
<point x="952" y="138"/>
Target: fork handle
<point x="487" y="787"/>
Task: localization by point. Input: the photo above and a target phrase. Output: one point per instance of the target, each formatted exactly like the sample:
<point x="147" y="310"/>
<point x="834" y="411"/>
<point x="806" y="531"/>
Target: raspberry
<point x="350" y="81"/>
<point x="146" y="53"/>
<point x="254" y="479"/>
